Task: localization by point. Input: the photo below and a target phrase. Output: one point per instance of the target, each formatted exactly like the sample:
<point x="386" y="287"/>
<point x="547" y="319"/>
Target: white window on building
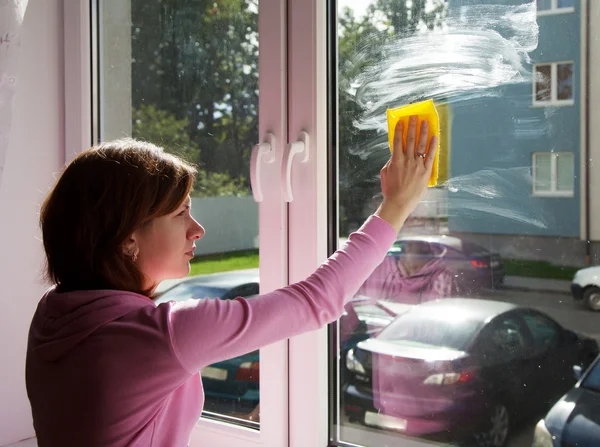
<point x="553" y="174"/>
<point x="546" y="7"/>
<point x="553" y="84"/>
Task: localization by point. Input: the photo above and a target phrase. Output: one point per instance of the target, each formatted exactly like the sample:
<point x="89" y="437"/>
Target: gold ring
<point x="420" y="154"/>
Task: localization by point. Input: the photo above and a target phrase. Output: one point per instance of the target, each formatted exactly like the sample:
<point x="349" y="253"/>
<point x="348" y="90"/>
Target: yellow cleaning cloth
<point x="424" y="111"/>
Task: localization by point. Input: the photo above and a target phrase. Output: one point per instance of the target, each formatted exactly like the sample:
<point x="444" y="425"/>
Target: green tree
<point x="197" y="60"/>
<point x="164" y="129"/>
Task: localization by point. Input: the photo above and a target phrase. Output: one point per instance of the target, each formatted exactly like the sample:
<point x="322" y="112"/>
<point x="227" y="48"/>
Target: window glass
<point x="503" y="233"/>
<point x="183" y="74"/>
<point x="565" y="171"/>
<point x="592" y="381"/>
<point x="545" y="333"/>
<point x="504" y="340"/>
<point x="544" y="4"/>
<point x="543" y="172"/>
<point x="564" y="81"/>
<point x="543" y="83"/>
<point x="565" y="3"/>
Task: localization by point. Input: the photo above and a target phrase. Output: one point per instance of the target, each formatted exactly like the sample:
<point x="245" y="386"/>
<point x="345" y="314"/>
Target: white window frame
<point x="554" y="192"/>
<point x="81" y="124"/>
<point x="554" y="9"/>
<point x="554" y="101"/>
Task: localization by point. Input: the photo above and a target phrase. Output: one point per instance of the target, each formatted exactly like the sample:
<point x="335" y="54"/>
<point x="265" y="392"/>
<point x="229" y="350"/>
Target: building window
<point x="553" y="84"/>
<point x="547" y="7"/>
<point x="553" y="174"/>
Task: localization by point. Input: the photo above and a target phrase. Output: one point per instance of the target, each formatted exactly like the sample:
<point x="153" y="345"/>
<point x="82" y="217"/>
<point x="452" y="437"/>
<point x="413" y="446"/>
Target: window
<point x="409" y="382"/>
<point x="553" y="84"/>
<point x="184" y="74"/>
<point x="553" y="174"/>
<point x="503" y="340"/>
<point x="545" y="333"/>
<point x="546" y="7"/>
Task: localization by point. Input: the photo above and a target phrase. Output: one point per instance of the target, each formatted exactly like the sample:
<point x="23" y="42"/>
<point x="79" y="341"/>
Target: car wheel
<point x="591" y="297"/>
<point x="495" y="433"/>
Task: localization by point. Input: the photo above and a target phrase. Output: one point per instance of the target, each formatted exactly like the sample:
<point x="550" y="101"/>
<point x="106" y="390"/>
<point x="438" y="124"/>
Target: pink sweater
<point x="110" y="368"/>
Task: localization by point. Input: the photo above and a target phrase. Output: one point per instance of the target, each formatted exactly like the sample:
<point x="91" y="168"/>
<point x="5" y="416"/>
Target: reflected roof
<point x="465" y="308"/>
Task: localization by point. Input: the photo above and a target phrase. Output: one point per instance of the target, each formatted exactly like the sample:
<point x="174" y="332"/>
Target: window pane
<point x="543" y="172"/>
<point x="566" y="3"/>
<point x="565" y="172"/>
<point x="183" y="74"/>
<point x="543" y="82"/>
<point x="565" y="81"/>
<point x="544" y="4"/>
<point x="486" y="246"/>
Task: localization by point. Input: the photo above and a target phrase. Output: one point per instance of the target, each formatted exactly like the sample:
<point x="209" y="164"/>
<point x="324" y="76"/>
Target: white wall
<point x="231" y="223"/>
<point x="35" y="153"/>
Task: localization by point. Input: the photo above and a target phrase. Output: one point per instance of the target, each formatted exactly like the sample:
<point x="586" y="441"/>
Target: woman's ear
<point x="130" y="247"/>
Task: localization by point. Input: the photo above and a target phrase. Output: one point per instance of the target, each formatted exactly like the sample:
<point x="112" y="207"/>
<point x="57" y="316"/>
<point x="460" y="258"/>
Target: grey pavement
<point x="537" y="284"/>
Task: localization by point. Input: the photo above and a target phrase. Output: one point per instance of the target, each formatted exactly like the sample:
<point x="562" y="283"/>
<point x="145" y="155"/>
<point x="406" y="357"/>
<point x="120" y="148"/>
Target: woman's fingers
<point x="433" y="144"/>
<point x="423" y="138"/>
<point x="398" y="150"/>
<point x="411" y="136"/>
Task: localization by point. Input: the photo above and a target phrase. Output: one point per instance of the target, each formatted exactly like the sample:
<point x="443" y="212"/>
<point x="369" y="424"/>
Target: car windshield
<point x="592" y="380"/>
<point x="187" y="291"/>
<point x="435" y="330"/>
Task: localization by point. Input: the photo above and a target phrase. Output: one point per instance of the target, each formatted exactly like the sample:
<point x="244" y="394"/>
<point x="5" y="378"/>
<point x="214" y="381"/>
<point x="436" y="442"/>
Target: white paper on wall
<point x="11" y="18"/>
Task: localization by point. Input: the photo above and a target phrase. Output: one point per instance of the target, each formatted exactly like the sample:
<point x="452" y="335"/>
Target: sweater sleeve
<point x="209" y="330"/>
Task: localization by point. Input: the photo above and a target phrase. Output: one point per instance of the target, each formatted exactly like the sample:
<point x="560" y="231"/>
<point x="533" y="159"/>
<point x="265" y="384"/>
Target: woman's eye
<point x="187" y="208"/>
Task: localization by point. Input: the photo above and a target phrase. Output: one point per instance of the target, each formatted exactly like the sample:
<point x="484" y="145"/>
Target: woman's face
<point x="166" y="244"/>
<point x="413" y="257"/>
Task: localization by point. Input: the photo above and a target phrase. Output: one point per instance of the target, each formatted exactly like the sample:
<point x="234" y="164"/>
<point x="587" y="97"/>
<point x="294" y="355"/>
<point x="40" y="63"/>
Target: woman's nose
<point x="197" y="230"/>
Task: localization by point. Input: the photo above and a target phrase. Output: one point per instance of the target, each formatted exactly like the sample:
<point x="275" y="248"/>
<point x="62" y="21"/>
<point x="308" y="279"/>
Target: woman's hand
<point x="405" y="176"/>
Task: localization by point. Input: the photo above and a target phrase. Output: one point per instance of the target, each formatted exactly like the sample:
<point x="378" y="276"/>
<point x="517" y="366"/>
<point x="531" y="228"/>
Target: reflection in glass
<point x="564" y="82"/>
<point x="183" y="74"/>
<point x="455" y="338"/>
<point x="543" y="81"/>
<point x="565" y="171"/>
<point x="543" y="172"/>
<point x="544" y="4"/>
<point x="565" y="3"/>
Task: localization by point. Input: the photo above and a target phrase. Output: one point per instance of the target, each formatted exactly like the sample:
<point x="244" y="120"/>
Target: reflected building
<point x="518" y="172"/>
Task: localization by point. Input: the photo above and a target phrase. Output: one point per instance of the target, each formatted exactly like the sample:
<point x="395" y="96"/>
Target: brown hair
<point x="101" y="198"/>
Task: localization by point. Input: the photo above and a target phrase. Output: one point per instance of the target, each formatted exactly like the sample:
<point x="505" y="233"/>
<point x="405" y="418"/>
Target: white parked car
<point x="586" y="287"/>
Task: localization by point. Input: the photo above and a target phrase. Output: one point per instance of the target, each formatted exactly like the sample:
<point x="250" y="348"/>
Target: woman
<point x="105" y="365"/>
<point x="413" y="275"/>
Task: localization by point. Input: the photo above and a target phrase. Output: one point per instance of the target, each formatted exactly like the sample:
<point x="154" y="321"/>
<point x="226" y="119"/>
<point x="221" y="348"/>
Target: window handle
<point x="261" y="153"/>
<point x="300" y="147"/>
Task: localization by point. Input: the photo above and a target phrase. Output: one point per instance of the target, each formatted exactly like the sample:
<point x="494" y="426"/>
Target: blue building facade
<point x="515" y="156"/>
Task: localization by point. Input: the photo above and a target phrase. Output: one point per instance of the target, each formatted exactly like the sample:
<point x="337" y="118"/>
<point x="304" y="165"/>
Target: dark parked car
<point x="464" y="368"/>
<point x="474" y="266"/>
<point x="230" y="386"/>
<point x="575" y="419"/>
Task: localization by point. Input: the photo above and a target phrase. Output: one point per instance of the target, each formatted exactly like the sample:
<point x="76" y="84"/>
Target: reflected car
<point x="586" y="287"/>
<point x="474" y="267"/>
<point x="230" y="386"/>
<point x="364" y="318"/>
<point x="462" y="369"/>
<point x="575" y="419"/>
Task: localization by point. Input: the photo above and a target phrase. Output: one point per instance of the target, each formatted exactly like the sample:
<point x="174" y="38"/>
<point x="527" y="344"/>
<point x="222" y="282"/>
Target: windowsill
<point x="555" y="195"/>
<point x="555" y="12"/>
<point x="540" y="105"/>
